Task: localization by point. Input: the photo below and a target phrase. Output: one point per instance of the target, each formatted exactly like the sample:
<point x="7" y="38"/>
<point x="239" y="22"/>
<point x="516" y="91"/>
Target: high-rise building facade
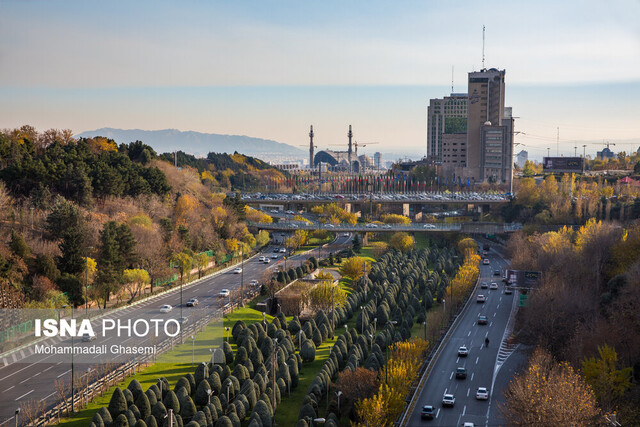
<point x="446" y="115"/>
<point x="489" y="129"/>
<point x="377" y="160"/>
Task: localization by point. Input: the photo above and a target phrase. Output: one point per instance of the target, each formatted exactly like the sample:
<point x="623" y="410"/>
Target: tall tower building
<point x="311" y="148"/>
<point x="446" y="115"/>
<point x="489" y="128"/>
<point x="350" y="150"/>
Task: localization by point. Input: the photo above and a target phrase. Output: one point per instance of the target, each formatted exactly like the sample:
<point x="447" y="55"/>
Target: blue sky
<point x="271" y="68"/>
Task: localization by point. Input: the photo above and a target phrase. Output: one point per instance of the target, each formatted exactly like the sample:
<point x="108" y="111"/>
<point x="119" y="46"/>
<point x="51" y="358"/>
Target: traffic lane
<point x="443" y="377"/>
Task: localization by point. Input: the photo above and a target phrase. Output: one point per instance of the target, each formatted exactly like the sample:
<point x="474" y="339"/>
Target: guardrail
<point x="496" y="227"/>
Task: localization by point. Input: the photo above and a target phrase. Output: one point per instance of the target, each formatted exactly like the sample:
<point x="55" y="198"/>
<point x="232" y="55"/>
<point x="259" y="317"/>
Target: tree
<point x="201" y="261"/>
<point x="549" y="393"/>
<point x="402" y="241"/>
<point x="395" y="219"/>
<point x="137" y="279"/>
<point x="608" y="382"/>
<point x="116" y="252"/>
<point x="379" y="248"/>
<point x="183" y="262"/>
<point x="262" y="238"/>
<point x="324" y="295"/>
<point x="18" y="245"/>
<point x="357" y="385"/>
<point x="357" y="243"/>
<point x="354" y="267"/>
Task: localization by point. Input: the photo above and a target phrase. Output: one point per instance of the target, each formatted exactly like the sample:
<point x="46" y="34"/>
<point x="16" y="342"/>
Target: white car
<point x="283" y="250"/>
<point x="330" y="226"/>
<point x="429" y="226"/>
<point x="346" y="234"/>
<point x="485" y="261"/>
<point x="224" y="293"/>
<point x="261" y="259"/>
<point x="237" y="270"/>
<point x="482" y="393"/>
<point x="166" y="308"/>
<point x="254" y="283"/>
<point x="274" y="256"/>
<point x="493" y="285"/>
<point x="266" y="261"/>
<point x="386" y="226"/>
<point x="290" y="212"/>
<point x="371" y="225"/>
<point x="448" y="400"/>
<point x="463" y="351"/>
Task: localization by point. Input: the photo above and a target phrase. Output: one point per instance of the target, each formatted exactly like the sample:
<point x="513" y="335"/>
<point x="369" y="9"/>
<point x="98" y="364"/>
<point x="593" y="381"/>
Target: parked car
<point x="166" y="308"/>
<point x="448" y="400"/>
<point x="427" y="413"/>
<point x="192" y="302"/>
<point x="224" y="293"/>
<point x="482" y="393"/>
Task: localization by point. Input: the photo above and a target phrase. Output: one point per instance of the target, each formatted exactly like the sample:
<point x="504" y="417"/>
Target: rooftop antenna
<point x="452" y="79"/>
<point x="483" y="47"/>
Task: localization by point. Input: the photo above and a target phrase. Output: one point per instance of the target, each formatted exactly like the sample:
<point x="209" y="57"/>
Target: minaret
<point x="350" y="135"/>
<point x="311" y="148"/>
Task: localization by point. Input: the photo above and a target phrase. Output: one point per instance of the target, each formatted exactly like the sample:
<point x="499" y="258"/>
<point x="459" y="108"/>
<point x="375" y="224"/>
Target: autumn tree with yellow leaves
<point x="402" y="241"/>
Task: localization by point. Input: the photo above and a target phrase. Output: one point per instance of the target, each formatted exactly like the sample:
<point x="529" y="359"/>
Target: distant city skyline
<point x="271" y="69"/>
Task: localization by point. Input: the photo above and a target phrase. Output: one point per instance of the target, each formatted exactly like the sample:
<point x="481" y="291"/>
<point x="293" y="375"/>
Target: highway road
<point x="480" y="363"/>
<point x="25" y="376"/>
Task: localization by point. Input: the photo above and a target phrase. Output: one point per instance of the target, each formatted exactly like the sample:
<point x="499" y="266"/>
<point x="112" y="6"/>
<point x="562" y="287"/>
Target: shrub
<point x="121" y="421"/>
<point x="308" y="351"/>
<point x="117" y="404"/>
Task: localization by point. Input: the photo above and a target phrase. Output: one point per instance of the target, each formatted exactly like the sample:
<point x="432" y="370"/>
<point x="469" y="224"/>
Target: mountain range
<point x="200" y="144"/>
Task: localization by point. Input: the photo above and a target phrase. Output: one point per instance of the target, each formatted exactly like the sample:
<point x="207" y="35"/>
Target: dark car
<point x="192" y="302"/>
<point x="482" y="320"/>
<point x="461" y="373"/>
<point x="496" y="272"/>
<point x="428" y="413"/>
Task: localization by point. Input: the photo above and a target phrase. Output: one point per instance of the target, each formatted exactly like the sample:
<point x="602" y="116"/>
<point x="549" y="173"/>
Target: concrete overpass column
<point x="405" y="209"/>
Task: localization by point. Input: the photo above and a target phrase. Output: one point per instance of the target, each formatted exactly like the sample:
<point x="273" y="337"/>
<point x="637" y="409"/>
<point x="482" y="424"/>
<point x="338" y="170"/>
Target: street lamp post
<point x="73" y="390"/>
<point x="17" y="415"/>
<point x="86" y="282"/>
<point x="227" y="328"/>
<point x="338" y="393"/>
<point x="193" y="349"/>
<point x="425" y="329"/>
<point x="242" y="279"/>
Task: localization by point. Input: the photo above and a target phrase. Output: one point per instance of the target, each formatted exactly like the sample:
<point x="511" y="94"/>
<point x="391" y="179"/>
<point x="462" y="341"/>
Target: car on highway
<point x="192" y="302"/>
<point x="481" y="298"/>
<point x="261" y="259"/>
<point x="429" y="226"/>
<point x="463" y="351"/>
<point x="330" y="226"/>
<point x="224" y="293"/>
<point x="508" y="290"/>
<point x="183" y="319"/>
<point x="482" y="393"/>
<point x="386" y="226"/>
<point x="345" y="234"/>
<point x="290" y="212"/>
<point x="448" y="400"/>
<point x="266" y="261"/>
<point x="166" y="308"/>
<point x="371" y="225"/>
<point x="283" y="250"/>
<point x="254" y="283"/>
<point x="493" y="286"/>
<point x="485" y="261"/>
<point x="461" y="373"/>
<point x="428" y="412"/>
<point x="482" y="320"/>
<point x="86" y="337"/>
<point x="496" y="272"/>
<point x="484" y="285"/>
<point x="237" y="270"/>
<point x="276" y="249"/>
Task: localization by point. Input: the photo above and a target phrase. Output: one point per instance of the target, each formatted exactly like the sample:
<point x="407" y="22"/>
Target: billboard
<point x="563" y="164"/>
<point x="523" y="278"/>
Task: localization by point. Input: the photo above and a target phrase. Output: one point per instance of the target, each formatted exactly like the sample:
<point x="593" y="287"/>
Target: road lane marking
<point x="464" y="409"/>
<point x="469" y="334"/>
<point x="477" y="358"/>
<point x="48" y="368"/>
<point x="9" y="389"/>
<point x="494" y="314"/>
<point x="472" y="376"/>
<point x="458" y="359"/>
<point x="438" y="413"/>
<point x="46" y="397"/>
<point x="498" y="306"/>
<point x="66" y="372"/>
<point x="26" y="394"/>
<point x="468" y="391"/>
<point x="450" y="376"/>
<point x="490" y="324"/>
